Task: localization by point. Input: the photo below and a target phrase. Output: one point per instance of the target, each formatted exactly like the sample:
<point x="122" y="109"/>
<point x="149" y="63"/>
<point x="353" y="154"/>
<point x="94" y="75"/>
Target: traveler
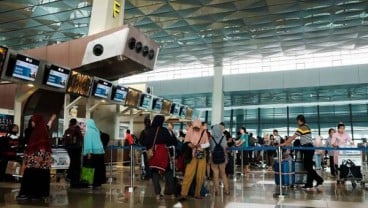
<point x="305" y="134"/>
<point x="73" y="140"/>
<point x="142" y="136"/>
<point x="244" y="143"/>
<point x="198" y="141"/>
<point x="218" y="146"/>
<point x="94" y="152"/>
<point x="270" y="154"/>
<point x="277" y="138"/>
<point x="340" y="139"/>
<point x="318" y="153"/>
<point x="159" y="138"/>
<point x="37" y="161"/>
<point x="8" y="149"/>
<point x="209" y="173"/>
<point x="230" y="164"/>
<point x="333" y="167"/>
<point x="128" y="139"/>
<point x="29" y="129"/>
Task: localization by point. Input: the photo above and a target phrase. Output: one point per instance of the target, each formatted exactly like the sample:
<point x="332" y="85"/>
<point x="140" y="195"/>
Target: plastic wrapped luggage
<point x="287" y="172"/>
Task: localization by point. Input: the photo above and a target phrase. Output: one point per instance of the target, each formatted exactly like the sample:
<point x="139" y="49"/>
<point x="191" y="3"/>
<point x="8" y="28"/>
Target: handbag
<point x="87" y="175"/>
<point x="160" y="158"/>
<point x="150" y="151"/>
<point x="349" y="169"/>
<point x="199" y="154"/>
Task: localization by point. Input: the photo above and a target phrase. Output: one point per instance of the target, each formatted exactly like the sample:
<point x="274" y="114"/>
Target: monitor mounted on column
<point x="23" y="68"/>
<point x="79" y="84"/>
<point x="119" y="94"/>
<point x="102" y="88"/>
<point x="133" y="97"/>
<point x="56" y="76"/>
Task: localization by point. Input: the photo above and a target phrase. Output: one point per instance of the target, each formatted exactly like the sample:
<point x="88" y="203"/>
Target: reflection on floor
<point x="254" y="190"/>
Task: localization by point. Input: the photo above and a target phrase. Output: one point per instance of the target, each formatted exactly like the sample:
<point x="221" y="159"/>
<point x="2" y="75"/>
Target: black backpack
<point x="218" y="153"/>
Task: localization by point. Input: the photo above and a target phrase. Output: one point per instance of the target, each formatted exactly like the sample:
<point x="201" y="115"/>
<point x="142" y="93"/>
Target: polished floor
<point x="254" y="190"/>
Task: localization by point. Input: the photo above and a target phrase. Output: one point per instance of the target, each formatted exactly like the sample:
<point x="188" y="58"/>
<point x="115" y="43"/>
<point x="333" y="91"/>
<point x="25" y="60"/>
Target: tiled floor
<point x="252" y="191"/>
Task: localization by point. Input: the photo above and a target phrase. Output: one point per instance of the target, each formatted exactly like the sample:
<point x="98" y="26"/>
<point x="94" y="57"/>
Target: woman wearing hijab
<point x="157" y="136"/>
<point x="219" y="169"/>
<point x="37" y="161"/>
<point x="8" y="149"/>
<point x="95" y="153"/>
<point x="198" y="141"/>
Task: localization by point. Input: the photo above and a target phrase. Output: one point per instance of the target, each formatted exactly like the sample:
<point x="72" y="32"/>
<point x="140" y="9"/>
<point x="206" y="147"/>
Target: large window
<point x="263" y="121"/>
<point x="255" y="65"/>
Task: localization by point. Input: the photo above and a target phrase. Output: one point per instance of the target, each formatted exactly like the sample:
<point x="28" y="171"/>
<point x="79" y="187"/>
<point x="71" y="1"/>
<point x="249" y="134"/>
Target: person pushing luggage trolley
<point x="305" y="134"/>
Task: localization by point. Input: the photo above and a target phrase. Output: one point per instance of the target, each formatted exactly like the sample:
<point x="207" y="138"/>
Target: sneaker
<point x="319" y="184"/>
<point x="182" y="199"/>
<point x="307" y="187"/>
<point x="22" y="198"/>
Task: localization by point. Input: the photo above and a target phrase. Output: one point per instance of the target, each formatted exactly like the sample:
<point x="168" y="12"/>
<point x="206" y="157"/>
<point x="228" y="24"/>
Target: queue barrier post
<point x="110" y="178"/>
<point x="242" y="164"/>
<point x="281" y="196"/>
<point x="234" y="161"/>
<point x="132" y="162"/>
<point x="173" y="161"/>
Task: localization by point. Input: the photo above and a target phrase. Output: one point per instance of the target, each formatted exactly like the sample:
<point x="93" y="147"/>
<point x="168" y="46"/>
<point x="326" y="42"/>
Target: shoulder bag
<point x="150" y="151"/>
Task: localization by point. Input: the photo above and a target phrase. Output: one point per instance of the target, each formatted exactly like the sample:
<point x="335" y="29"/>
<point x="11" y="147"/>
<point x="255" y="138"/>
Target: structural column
<point x="218" y="95"/>
<point x="106" y="14"/>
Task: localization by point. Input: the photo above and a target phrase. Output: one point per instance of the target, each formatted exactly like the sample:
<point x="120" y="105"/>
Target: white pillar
<point x="66" y="111"/>
<point x="117" y="123"/>
<point x="217" y="96"/>
<point x="20" y="97"/>
<point x="106" y="14"/>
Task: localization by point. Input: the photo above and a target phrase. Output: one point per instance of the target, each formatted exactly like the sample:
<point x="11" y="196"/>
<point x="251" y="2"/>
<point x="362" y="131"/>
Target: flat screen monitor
<point x="189" y="114"/>
<point x="119" y="94"/>
<point x="79" y="84"/>
<point x="146" y="102"/>
<point x="3" y="53"/>
<point x="56" y="76"/>
<point x="175" y="109"/>
<point x="133" y="96"/>
<point x="157" y="105"/>
<point x="102" y="89"/>
<point x="25" y="68"/>
<point x="166" y="107"/>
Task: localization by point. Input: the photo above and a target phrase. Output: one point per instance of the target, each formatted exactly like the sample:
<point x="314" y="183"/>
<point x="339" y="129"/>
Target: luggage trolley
<point x="350" y="167"/>
<point x="60" y="162"/>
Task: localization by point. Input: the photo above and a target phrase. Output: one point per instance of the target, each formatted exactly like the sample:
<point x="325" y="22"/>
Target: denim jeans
<point x="318" y="161"/>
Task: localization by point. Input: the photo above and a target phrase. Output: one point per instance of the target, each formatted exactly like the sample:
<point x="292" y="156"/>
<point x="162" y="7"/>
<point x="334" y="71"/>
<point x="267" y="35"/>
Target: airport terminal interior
<point x="102" y="101"/>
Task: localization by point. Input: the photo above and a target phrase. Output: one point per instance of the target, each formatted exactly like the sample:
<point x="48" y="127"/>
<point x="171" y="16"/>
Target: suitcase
<point x="287" y="172"/>
<point x="300" y="173"/>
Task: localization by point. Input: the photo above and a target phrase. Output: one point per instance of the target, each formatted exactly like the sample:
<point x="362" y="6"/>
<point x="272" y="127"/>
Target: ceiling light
<point x="30" y="85"/>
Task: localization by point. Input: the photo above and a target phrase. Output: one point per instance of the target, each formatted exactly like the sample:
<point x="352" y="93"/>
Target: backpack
<point x="71" y="137"/>
<point x="136" y="140"/>
<point x="218" y="153"/>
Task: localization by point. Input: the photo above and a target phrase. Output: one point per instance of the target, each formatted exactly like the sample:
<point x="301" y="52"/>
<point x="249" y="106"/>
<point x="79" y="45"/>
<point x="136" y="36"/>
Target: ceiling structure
<point x="331" y="94"/>
<point x="26" y="24"/>
<point x="203" y="31"/>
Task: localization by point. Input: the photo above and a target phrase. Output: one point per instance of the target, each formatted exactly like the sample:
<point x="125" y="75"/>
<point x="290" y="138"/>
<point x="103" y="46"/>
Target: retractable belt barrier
<point x="279" y="149"/>
<point x="132" y="149"/>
